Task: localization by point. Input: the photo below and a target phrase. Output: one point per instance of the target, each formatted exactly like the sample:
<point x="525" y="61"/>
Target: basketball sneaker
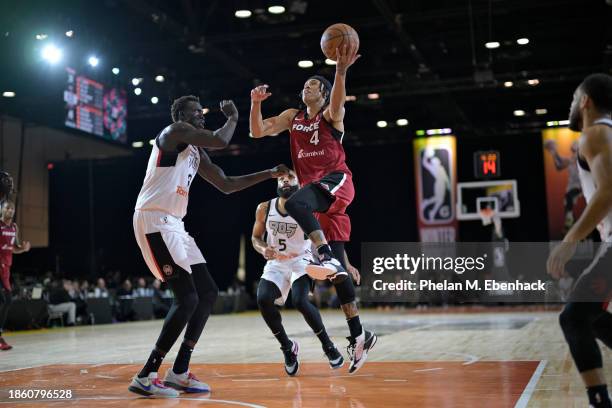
<point x="358" y="349"/>
<point x="185" y="382"/>
<point x="335" y="358"/>
<point x="4" y="345"/>
<point x="292" y="365"/>
<point x="327" y="267"/>
<point x="151" y="386"/>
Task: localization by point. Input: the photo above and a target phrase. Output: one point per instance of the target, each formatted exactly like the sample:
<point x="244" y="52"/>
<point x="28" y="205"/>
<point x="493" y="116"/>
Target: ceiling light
<point x="51" y="53"/>
<point x="519" y="112"/>
<point x="159" y="78"/>
<point x="116" y="71"/>
<point x="40" y="37"/>
<point x="137" y="91"/>
<point x="93" y="61"/>
<point x="522" y="41"/>
<point x="154" y="100"/>
<point x="276" y="9"/>
<point x="137" y="144"/>
<point x="541" y="111"/>
<point x="401" y="122"/>
<point x="508" y="84"/>
<point x="152" y="142"/>
<point x="330" y="61"/>
<point x="373" y="96"/>
<point x="243" y="13"/>
<point x="533" y="82"/>
<point x="492" y="44"/>
<point x="381" y="123"/>
<point x="305" y="64"/>
<point x="8" y="94"/>
<point x="136" y="81"/>
<point x="351" y="98"/>
<point x="69" y="33"/>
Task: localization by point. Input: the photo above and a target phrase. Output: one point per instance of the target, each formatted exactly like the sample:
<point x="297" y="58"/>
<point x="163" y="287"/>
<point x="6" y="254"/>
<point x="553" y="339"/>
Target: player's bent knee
<point x="345" y="291"/>
<point x="188" y="302"/>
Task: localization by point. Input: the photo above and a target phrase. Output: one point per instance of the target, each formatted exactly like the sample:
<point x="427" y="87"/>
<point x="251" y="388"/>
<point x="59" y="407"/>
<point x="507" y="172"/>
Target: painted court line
<point x="395" y="380"/>
<point x="260" y="379"/>
<point x="203" y="400"/>
<point x="531" y="386"/>
<point x="428" y="369"/>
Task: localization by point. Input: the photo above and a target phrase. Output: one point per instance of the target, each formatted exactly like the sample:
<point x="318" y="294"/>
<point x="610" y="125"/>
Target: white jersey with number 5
<point x="284" y="234"/>
<point x="168" y="179"/>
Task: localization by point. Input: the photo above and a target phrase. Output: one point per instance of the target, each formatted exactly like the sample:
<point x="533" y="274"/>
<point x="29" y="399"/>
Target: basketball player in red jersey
<point x="319" y="160"/>
<point x="9" y="244"/>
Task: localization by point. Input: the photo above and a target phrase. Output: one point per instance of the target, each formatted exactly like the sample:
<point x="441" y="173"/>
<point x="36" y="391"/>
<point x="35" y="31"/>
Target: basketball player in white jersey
<point x="280" y="239"/>
<point x="169" y="251"/>
<point x="585" y="318"/>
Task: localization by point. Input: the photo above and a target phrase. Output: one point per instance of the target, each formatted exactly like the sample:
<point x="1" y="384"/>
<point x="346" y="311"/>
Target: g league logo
<point x="435" y="177"/>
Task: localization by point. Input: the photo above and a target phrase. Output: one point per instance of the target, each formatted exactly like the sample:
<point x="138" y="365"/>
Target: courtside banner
<point x="564" y="198"/>
<point x="482" y="272"/>
<point x="435" y="161"/>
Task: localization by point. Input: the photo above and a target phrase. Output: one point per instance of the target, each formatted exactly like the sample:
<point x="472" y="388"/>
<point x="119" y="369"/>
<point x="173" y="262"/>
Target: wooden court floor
<point x="494" y="359"/>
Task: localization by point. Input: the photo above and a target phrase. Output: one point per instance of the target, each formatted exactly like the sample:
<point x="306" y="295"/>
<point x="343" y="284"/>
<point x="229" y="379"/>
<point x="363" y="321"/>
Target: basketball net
<point x="488" y="215"/>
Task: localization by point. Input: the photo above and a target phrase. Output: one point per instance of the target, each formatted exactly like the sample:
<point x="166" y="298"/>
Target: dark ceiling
<point x="426" y="59"/>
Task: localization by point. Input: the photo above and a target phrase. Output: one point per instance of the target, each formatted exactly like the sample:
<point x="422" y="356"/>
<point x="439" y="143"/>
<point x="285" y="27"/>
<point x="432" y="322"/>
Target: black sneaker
<point x="292" y="365"/>
<point x="327" y="268"/>
<point x="358" y="349"/>
<point x="335" y="358"/>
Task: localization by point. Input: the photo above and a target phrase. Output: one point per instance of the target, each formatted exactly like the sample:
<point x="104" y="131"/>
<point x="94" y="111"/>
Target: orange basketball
<point x="338" y="35"/>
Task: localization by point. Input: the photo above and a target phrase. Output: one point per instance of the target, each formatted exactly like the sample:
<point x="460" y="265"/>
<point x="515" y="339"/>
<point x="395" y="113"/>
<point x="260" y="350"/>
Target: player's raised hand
<point x="279" y="171"/>
<point x="346" y="56"/>
<point x="229" y="109"/>
<point x="260" y="93"/>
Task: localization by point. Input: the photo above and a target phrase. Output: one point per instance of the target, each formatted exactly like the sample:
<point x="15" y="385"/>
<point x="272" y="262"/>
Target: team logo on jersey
<point x="284" y="228"/>
<point x="301" y="128"/>
<point x="302" y="154"/>
<point x="167" y="269"/>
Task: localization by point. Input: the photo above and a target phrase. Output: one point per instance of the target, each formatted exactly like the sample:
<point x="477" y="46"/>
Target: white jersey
<point x="588" y="189"/>
<point x="168" y="179"/>
<point x="284" y="233"/>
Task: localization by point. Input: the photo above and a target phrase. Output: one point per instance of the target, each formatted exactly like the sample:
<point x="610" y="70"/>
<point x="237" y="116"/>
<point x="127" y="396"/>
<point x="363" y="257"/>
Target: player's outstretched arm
<point x="595" y="148"/>
<point x="346" y="57"/>
<point x="20" y="247"/>
<point x="271" y="126"/>
<point x="259" y="228"/>
<point x="230" y="184"/>
<point x="184" y="133"/>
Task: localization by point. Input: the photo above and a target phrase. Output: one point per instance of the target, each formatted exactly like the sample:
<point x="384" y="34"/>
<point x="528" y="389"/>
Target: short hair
<point x="7" y="202"/>
<point x="181" y="103"/>
<point x="598" y="87"/>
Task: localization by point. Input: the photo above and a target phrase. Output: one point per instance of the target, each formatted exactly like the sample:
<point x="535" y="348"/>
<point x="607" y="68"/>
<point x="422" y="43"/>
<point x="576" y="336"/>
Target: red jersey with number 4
<point x="316" y="148"/>
<point x="8" y="234"/>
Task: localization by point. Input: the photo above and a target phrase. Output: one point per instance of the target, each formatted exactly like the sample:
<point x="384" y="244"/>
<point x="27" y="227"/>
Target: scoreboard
<point x="486" y="164"/>
<point x="94" y="108"/>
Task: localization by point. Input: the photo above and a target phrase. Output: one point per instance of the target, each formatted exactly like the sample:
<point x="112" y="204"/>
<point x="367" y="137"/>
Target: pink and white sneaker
<point x="151" y="386"/>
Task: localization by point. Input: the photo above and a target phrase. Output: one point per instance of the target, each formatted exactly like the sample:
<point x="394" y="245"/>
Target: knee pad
<point x="345" y="291"/>
<point x="299" y="302"/>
